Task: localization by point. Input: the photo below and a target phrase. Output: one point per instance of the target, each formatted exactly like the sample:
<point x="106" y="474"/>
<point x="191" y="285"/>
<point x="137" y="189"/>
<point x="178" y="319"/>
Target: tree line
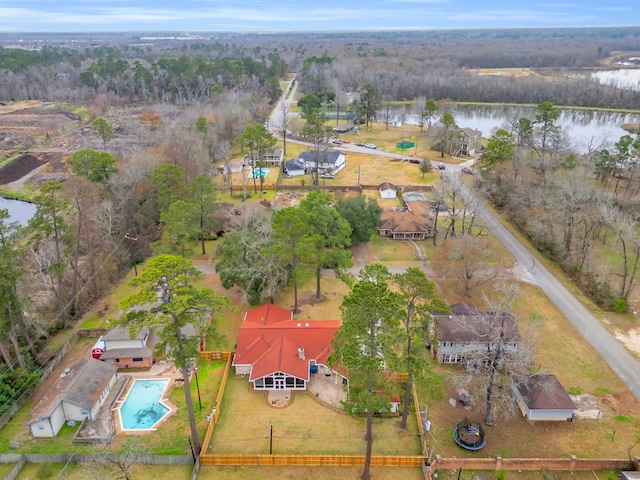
<point x="572" y="207"/>
<point x="54" y="74"/>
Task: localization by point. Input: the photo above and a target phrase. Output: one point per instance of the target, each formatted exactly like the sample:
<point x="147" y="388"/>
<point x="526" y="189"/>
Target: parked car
<point x="327" y="175"/>
<point x="467" y="170"/>
<point x="370" y="145"/>
<point x="441" y="166"/>
<point x="337" y="141"/>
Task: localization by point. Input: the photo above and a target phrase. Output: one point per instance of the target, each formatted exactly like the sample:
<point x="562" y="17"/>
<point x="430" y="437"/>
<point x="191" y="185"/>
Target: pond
<point x="627" y="78"/>
<point x="584" y="128"/>
<point x="18" y="211"/>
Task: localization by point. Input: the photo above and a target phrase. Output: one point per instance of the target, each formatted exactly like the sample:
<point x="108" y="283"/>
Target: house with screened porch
<point x="278" y="353"/>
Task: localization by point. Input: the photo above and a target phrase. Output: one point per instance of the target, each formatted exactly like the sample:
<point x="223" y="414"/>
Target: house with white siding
<point x="76" y="396"/>
<point x="467" y="331"/>
<point x="331" y="161"/>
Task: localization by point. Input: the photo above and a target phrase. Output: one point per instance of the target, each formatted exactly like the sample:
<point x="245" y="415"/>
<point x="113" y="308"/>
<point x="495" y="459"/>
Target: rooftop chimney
<point x="301" y="353"/>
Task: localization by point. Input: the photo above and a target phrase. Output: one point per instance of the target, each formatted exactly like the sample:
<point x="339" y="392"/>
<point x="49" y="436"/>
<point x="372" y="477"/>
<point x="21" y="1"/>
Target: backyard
<point x="303" y="427"/>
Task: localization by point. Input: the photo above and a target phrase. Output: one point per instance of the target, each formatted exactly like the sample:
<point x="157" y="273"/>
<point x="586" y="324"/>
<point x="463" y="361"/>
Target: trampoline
<point x="469" y="435"/>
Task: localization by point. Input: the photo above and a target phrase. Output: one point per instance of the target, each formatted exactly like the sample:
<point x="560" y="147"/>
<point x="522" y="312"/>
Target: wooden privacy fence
<point x="215" y="413"/>
<point x="215" y="355"/>
<point x="311" y="460"/>
<point x="570" y="464"/>
<point x="51" y="361"/>
<point x="249" y="187"/>
<point x="423" y="434"/>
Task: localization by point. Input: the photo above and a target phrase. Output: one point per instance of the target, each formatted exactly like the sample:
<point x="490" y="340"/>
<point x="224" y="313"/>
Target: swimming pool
<point x="259" y="172"/>
<point x="143" y="408"/>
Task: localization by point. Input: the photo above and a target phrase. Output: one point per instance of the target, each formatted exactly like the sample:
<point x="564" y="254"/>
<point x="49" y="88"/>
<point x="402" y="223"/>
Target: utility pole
<point x="271" y="439"/>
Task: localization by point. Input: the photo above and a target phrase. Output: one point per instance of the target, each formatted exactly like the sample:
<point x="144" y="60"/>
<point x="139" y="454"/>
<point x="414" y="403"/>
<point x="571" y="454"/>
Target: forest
<point x="402" y="65"/>
<point x="161" y="115"/>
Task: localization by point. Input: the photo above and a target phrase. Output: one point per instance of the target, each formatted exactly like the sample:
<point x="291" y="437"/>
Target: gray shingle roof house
<point x="468" y="330"/>
<point x="329" y="160"/>
<point x="77" y="395"/>
<point x="126" y="352"/>
<point x="293" y="168"/>
<point x="542" y="397"/>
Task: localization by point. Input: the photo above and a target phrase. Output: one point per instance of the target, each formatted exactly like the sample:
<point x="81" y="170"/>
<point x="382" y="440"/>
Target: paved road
<point x="621" y="361"/>
<point x="618" y="358"/>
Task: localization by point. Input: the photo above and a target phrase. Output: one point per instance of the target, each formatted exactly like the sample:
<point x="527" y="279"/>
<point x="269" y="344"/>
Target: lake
<point x="18" y="211"/>
<point x="583" y="127"/>
<point x="627" y="78"/>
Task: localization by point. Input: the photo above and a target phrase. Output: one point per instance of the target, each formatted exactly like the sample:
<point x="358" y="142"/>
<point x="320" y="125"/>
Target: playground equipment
<point x="469" y="435"/>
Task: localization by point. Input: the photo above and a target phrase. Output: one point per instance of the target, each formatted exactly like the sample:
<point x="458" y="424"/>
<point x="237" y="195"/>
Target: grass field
<point x="303" y="427"/>
<point x="307" y="473"/>
<point x="96" y="472"/>
<point x="562" y="351"/>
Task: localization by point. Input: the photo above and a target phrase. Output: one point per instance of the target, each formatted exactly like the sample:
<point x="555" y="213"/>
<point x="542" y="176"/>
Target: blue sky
<point x="299" y="15"/>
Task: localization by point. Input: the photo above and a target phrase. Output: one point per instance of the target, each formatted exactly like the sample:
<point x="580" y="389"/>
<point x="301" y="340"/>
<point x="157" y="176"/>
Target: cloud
<point x="290" y="15"/>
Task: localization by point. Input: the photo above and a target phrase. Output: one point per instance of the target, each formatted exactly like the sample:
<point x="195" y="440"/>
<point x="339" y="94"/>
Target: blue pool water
<point x="259" y="172"/>
<point x="142" y="409"/>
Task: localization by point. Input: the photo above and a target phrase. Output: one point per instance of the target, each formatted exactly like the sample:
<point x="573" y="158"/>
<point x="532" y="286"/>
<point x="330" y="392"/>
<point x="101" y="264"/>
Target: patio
<point x="326" y="389"/>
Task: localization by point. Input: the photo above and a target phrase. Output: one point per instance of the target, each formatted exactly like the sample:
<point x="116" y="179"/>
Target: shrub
<point x="620" y="306"/>
<point x="46" y="471"/>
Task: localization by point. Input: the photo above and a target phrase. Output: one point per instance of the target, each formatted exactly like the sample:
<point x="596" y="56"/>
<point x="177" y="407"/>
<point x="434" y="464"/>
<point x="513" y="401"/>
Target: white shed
<point x="387" y="190"/>
<point x="542" y="397"/>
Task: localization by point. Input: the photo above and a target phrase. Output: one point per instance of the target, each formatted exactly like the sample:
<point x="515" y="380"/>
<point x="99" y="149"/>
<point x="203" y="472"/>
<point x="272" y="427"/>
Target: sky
<point x="306" y="15"/>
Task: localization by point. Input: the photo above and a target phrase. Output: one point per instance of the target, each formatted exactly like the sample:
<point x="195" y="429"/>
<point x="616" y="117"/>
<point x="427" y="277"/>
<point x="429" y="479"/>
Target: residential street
<point x="621" y="361"/>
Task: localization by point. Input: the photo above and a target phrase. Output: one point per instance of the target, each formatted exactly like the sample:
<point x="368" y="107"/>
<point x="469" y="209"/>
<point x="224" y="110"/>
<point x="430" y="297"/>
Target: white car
<point x="370" y="145"/>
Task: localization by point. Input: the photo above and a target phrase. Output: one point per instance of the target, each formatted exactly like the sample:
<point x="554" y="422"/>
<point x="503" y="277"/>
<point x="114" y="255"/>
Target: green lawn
<point x="307" y="473"/>
<point x="73" y="471"/>
<point x="170" y="438"/>
<point x="303" y="427"/>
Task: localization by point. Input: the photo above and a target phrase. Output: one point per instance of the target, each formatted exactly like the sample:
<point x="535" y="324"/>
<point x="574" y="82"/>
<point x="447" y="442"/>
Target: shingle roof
<point x="81" y="386"/>
<point x="388" y="186"/>
<point x="467" y="323"/>
<point x="121" y="333"/>
<point x="542" y="392"/>
<point x="470" y="132"/>
<point x="416" y="220"/>
<point x="326" y="156"/>
<point x="141" y="352"/>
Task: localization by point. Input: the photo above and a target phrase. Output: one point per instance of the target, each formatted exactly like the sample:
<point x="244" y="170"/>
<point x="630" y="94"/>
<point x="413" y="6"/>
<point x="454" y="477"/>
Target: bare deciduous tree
<point x="500" y="350"/>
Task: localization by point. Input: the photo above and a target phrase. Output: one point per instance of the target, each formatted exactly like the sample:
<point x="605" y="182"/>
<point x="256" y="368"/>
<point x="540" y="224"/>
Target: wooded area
<point x="167" y="115"/>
